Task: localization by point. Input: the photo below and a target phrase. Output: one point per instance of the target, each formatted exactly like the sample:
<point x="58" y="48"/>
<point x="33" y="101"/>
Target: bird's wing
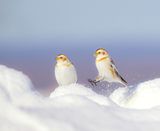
<point x="115" y="72"/>
<point x="113" y="65"/>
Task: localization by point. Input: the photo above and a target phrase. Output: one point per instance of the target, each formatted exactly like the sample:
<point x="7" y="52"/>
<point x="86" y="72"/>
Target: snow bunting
<point x="65" y="71"/>
<point x="106" y="68"/>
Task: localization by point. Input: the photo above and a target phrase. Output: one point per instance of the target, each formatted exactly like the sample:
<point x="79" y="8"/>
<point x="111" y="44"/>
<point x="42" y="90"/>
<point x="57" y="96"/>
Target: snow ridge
<point x="76" y="107"/>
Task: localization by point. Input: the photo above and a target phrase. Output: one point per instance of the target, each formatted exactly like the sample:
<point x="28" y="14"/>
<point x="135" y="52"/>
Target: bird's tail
<point x="123" y="81"/>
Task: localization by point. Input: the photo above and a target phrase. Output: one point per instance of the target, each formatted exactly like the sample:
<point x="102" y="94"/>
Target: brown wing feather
<point x="121" y="78"/>
<point x="114" y="69"/>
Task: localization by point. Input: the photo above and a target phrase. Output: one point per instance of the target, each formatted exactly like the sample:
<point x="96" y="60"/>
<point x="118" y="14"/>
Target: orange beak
<point x="95" y="54"/>
<point x="57" y="58"/>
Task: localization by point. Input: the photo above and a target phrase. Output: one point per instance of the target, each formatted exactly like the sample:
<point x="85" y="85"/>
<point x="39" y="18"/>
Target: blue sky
<point x="83" y="19"/>
<point x="33" y="32"/>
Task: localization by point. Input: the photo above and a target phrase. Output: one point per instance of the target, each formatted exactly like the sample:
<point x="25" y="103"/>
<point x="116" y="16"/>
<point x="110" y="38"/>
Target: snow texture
<point x="76" y="107"/>
<point x="144" y="95"/>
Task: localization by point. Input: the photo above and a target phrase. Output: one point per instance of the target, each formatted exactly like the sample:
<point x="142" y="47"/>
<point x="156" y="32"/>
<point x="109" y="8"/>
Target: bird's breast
<point x="103" y="68"/>
<point x="65" y="75"/>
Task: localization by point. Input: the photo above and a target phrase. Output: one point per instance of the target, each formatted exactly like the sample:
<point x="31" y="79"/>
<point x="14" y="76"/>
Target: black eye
<point x="99" y="52"/>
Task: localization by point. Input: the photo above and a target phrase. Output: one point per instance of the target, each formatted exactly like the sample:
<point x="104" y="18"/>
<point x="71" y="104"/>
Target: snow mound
<point x="74" y="107"/>
<point x="143" y="96"/>
<point x="16" y="87"/>
<point x="73" y="91"/>
<point x="15" y="82"/>
<point x="3" y="96"/>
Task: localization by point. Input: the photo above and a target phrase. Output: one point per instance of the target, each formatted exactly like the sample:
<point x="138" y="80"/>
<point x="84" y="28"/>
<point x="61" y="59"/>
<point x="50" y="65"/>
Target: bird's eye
<point x="104" y="53"/>
<point x="99" y="52"/>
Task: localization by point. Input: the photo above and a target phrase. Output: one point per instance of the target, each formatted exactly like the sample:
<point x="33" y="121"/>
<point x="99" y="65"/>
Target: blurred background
<point x="33" y="32"/>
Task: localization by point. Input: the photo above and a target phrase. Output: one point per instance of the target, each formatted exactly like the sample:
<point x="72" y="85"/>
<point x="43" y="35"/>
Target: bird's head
<point x="62" y="59"/>
<point x="101" y="53"/>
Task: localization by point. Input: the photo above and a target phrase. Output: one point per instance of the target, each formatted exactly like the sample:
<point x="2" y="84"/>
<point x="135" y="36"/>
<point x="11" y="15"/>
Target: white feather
<point x="104" y="70"/>
<point x="65" y="75"/>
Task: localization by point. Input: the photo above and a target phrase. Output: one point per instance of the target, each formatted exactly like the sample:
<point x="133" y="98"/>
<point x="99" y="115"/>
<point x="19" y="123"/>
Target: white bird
<point x="65" y="71"/>
<point x="106" y="68"/>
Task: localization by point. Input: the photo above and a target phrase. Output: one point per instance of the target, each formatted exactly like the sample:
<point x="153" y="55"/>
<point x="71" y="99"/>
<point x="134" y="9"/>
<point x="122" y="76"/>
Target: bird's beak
<point x="57" y="58"/>
<point x="95" y="54"/>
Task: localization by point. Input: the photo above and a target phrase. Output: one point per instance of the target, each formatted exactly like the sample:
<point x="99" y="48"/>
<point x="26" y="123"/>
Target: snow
<point x="144" y="95"/>
<point x="77" y="90"/>
<point x="76" y="107"/>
